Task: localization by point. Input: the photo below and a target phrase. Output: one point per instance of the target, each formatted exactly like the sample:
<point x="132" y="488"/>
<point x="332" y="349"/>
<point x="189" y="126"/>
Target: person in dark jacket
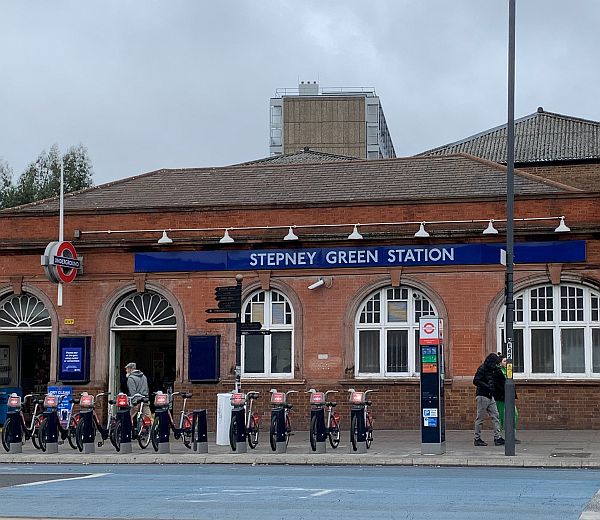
<point x="485" y="381"/>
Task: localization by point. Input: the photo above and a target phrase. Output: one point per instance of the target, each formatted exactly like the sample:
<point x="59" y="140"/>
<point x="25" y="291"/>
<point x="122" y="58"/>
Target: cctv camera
<point x="318" y="283"/>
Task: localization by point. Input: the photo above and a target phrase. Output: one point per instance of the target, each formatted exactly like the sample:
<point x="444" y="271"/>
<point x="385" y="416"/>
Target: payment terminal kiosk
<point x="431" y="352"/>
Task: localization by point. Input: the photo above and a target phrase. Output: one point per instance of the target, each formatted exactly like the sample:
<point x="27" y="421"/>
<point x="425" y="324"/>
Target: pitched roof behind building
<point x="539" y="137"/>
<point x="386" y="180"/>
<point x="305" y="156"/>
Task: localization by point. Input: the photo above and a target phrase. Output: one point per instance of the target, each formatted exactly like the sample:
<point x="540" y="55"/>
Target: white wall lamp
<point x="291" y="235"/>
<point x="490" y="229"/>
<point x="422" y="233"/>
<point x="355" y="235"/>
<point x="562" y="227"/>
<point x="165" y="239"/>
<point x="226" y="238"/>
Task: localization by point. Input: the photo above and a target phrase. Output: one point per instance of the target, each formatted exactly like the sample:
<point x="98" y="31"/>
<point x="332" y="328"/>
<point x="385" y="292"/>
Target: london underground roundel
<point x="60" y="262"/>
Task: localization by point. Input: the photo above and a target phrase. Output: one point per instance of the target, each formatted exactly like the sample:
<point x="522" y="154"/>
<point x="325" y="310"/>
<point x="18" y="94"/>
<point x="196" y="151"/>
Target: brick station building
<point x="140" y="300"/>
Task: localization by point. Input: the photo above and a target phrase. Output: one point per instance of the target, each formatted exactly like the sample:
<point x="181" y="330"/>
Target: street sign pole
<point x="238" y="339"/>
<point x="509" y="388"/>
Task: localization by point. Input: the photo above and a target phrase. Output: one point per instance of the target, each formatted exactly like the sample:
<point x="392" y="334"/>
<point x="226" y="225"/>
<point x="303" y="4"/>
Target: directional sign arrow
<point x="230" y="304"/>
<point x="228" y="291"/>
<point x="222" y="311"/>
<point x="252" y="325"/>
<point x="256" y="333"/>
<point x="221" y="320"/>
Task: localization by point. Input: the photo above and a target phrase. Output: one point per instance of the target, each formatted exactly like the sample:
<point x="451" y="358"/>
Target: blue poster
<point x="71" y="360"/>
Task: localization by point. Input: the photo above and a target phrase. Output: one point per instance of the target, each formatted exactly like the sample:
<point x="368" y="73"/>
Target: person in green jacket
<point x="499" y="380"/>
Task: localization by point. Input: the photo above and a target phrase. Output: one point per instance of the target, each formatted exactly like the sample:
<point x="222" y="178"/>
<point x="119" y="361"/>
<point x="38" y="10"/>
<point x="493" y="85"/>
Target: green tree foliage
<point x="41" y="179"/>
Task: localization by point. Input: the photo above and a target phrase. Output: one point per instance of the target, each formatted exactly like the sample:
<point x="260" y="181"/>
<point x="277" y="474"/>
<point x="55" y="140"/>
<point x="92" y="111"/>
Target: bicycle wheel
<point x="79" y="435"/>
<point x="253" y="430"/>
<point x="41" y="434"/>
<point x="117" y="436"/>
<point x="35" y="433"/>
<point x="354" y="433"/>
<point x="5" y="429"/>
<point x="334" y="433"/>
<point x="369" y="428"/>
<point x="155" y="433"/>
<point x="233" y="433"/>
<point x="72" y="431"/>
<point x="143" y="436"/>
<point x="186" y="431"/>
<point x="288" y="429"/>
<point x="313" y="433"/>
<point x="112" y="426"/>
<point x="273" y="433"/>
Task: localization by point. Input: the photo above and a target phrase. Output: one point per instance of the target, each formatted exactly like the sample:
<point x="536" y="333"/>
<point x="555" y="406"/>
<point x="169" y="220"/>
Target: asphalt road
<point x="235" y="492"/>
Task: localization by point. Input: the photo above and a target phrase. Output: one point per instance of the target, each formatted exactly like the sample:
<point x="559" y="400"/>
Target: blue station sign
<point x="354" y="257"/>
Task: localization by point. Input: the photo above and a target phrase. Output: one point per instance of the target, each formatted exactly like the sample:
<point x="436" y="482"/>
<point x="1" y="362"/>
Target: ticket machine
<point x="431" y="352"/>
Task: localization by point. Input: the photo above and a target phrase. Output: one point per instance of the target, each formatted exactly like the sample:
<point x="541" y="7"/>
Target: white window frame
<point x="268" y="325"/>
<point x="383" y="326"/>
<point x="556" y="325"/>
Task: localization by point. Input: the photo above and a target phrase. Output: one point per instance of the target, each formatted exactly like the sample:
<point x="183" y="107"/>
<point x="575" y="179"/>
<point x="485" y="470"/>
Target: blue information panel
<point x="74" y="359"/>
<point x="65" y="404"/>
<point x="353" y="257"/>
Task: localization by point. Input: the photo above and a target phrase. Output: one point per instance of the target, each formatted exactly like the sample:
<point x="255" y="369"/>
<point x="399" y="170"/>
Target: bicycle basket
<point x="14" y="401"/>
<point x="317" y="398"/>
<point x="278" y="398"/>
<point x="122" y="401"/>
<point x="161" y="400"/>
<point x="357" y="397"/>
<point x="50" y="401"/>
<point x="86" y="401"/>
<point x="238" y="399"/>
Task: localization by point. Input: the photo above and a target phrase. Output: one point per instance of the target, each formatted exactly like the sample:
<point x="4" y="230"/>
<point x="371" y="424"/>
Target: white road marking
<point x="322" y="492"/>
<point x="39" y="483"/>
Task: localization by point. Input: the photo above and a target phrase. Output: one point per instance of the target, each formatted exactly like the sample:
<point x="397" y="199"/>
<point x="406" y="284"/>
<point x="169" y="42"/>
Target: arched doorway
<point x="143" y="330"/>
<point x="25" y="344"/>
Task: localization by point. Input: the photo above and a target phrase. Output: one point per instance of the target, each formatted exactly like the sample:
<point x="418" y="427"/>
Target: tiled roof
<point x="305" y="156"/>
<point x="407" y="179"/>
<point x="540" y="137"/>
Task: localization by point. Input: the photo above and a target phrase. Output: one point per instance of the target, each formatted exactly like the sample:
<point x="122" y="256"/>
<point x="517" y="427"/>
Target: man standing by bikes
<point x="136" y="384"/>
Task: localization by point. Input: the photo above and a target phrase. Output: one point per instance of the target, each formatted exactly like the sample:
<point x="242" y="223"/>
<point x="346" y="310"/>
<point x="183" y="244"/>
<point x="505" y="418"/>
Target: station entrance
<point x="25" y="346"/>
<point x="144" y="332"/>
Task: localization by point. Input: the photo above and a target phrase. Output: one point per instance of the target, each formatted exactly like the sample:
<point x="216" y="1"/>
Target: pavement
<point x="539" y="449"/>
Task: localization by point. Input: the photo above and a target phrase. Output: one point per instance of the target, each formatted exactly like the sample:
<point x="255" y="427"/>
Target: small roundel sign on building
<point x="60" y="262"/>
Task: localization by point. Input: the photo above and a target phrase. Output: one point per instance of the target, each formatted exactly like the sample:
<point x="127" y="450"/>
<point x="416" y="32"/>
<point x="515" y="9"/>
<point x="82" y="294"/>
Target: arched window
<point x="24" y="312"/>
<point x="271" y="355"/>
<point x="387" y="332"/>
<point x="556" y="332"/>
<point x="143" y="310"/>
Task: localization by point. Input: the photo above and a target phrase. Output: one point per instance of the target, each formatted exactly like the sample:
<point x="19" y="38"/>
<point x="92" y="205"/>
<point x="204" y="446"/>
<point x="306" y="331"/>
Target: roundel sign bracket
<point x="60" y="262"/>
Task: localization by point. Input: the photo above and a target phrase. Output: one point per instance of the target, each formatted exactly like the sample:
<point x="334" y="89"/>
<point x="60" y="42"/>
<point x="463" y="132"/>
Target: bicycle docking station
<point x="162" y="433"/>
<point x="278" y="426"/>
<point x="318" y="432"/>
<point x="199" y="432"/>
<point x="124" y="420"/>
<point x="13" y="418"/>
<point x="50" y="430"/>
<point x="86" y="404"/>
<point x="357" y="418"/>
<point x="431" y="351"/>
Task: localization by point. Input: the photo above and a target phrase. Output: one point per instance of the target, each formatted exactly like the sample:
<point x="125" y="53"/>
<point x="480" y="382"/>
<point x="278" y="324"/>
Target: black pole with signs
<point x="229" y="301"/>
<point x="509" y="388"/>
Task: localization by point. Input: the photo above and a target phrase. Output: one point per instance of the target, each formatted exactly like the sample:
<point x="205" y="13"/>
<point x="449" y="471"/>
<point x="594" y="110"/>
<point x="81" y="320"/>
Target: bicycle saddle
<point x="186" y="395"/>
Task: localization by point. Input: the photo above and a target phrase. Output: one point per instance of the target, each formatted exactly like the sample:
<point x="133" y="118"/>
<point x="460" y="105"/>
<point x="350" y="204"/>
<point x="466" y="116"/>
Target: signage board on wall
<point x="74" y="359"/>
<point x="355" y="257"/>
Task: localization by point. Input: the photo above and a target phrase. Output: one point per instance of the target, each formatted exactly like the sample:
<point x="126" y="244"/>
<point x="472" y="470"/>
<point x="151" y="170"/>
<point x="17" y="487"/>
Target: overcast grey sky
<point x="186" y="83"/>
